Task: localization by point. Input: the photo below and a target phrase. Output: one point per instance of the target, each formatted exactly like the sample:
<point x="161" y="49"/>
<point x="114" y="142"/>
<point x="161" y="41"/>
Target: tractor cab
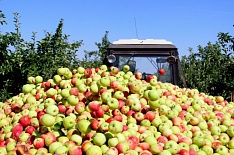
<point x="150" y="57"/>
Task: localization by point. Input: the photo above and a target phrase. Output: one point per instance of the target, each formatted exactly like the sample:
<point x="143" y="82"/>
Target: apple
<point x="74" y="91"/>
<point x="94" y="105"/>
<point x="25" y="121"/>
<point x="54" y="146"/>
<point x="65" y="93"/>
<point x="224" y="138"/>
<point x="105" y="96"/>
<point x="113" y="103"/>
<point x="75" y="150"/>
<point x="172" y="147"/>
<point x="30" y="129"/>
<point x="150" y="139"/>
<point x="138" y="75"/>
<point x="207" y="149"/>
<point x="215" y="130"/>
<point x="222" y="150"/>
<point x="115" y="127"/>
<point x="105" y="81"/>
<point x="84" y="126"/>
<point x="149" y="77"/>
<point x="82" y="88"/>
<point x="126" y="68"/>
<point x="61" y="150"/>
<point x="38" y="143"/>
<point x="112" y="151"/>
<point x="47" y="120"/>
<point x="73" y="100"/>
<point x="52" y="110"/>
<point x="118" y="95"/>
<point x="99" y="139"/>
<point x="49" y="138"/>
<point x="80" y="107"/>
<point x="122" y="147"/>
<point x="11" y="146"/>
<point x="156" y="148"/>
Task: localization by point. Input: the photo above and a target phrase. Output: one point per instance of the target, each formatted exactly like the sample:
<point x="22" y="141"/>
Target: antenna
<point x="136" y="27"/>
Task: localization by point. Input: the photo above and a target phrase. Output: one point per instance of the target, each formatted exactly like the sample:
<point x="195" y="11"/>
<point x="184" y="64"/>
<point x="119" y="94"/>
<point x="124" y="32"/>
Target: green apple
<point x="115" y="127"/>
<point x="222" y="150"/>
<point x="54" y="146"/>
<point x="113" y="103"/>
<point x="57" y="79"/>
<point x="11" y="146"/>
<point x="156" y="148"/>
<point x="165" y="152"/>
<point x="104" y="148"/>
<point x="51" y="92"/>
<point x="65" y="93"/>
<point x="73" y="100"/>
<point x="94" y="89"/>
<point x="150" y="139"/>
<point x="230" y="131"/>
<point x="69" y="122"/>
<point x="120" y="137"/>
<point x="105" y="81"/>
<point x="99" y="139"/>
<point x="118" y="95"/>
<point x="215" y="130"/>
<point x="61" y="150"/>
<point x="126" y="68"/>
<point x="82" y="88"/>
<point x="94" y="150"/>
<point x="84" y="126"/>
<point x="224" y="138"/>
<point x="133" y="126"/>
<point x="184" y="145"/>
<point x="112" y="142"/>
<point x="81" y="70"/>
<point x="105" y="96"/>
<point x="199" y="141"/>
<point x="153" y="95"/>
<point x="231" y="144"/>
<point x="52" y="110"/>
<point x="172" y="147"/>
<point x="48" y="120"/>
<point x="77" y="139"/>
<point x="207" y="149"/>
<point x="136" y="106"/>
<point x="156" y="122"/>
<point x="61" y="71"/>
<point x="27" y="88"/>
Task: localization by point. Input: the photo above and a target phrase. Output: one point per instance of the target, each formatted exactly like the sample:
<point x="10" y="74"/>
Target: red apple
<point x="25" y="121"/>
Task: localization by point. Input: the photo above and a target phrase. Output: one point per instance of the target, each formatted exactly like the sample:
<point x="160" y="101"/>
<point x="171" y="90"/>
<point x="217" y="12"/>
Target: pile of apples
<point x="109" y="111"/>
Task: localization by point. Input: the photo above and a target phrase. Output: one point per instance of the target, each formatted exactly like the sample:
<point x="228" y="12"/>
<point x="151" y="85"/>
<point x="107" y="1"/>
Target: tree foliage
<point x="21" y="59"/>
<point x="94" y="59"/>
<point x="211" y="69"/>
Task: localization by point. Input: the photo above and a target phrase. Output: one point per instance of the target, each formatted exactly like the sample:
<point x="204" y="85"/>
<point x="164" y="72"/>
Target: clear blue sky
<point x="186" y="23"/>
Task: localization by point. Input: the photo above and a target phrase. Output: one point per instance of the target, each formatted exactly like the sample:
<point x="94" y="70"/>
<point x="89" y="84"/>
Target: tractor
<point x="150" y="57"/>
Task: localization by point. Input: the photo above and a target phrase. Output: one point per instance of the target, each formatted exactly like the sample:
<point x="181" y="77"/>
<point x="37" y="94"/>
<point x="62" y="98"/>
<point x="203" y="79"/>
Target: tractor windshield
<point x="150" y="65"/>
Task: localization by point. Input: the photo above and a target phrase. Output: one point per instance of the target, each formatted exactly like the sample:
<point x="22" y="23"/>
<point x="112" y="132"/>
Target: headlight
<point x="171" y="60"/>
<point x="111" y="58"/>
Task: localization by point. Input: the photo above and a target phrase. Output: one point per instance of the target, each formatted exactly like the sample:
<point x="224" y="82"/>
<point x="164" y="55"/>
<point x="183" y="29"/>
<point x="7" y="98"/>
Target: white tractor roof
<point x="146" y="41"/>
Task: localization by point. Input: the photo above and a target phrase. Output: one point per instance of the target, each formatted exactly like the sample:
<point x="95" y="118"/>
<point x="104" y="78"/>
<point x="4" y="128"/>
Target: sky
<point x="186" y="23"/>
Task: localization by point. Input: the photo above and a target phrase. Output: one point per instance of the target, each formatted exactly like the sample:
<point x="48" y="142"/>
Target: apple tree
<point x="21" y="59"/>
<point x="95" y="58"/>
<point x="211" y="69"/>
